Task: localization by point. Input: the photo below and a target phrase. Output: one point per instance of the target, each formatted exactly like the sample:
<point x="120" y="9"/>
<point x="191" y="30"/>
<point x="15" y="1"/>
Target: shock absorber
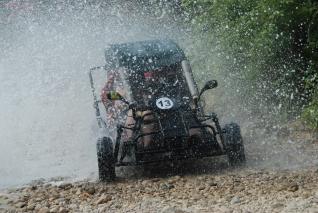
<point x="190" y="80"/>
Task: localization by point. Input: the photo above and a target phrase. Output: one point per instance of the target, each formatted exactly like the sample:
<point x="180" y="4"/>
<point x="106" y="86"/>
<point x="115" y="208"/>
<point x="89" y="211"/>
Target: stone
<point x="155" y="180"/>
<point x="54" y="209"/>
<point x="201" y="188"/>
<point x="20" y="205"/>
<point x="39" y="199"/>
<point x="224" y="209"/>
<point x="44" y="210"/>
<point x="145" y="182"/>
<point x="166" y="186"/>
<point x="78" y="192"/>
<point x="235" y="200"/>
<point x="277" y="205"/>
<point x="172" y="181"/>
<point x="63" y="210"/>
<point x="85" y="195"/>
<point x="118" y="206"/>
<point x="47" y="185"/>
<point x="170" y="209"/>
<point x="30" y="207"/>
<point x="212" y="184"/>
<point x="90" y="189"/>
<point x="38" y="182"/>
<point x="293" y="188"/>
<point x="73" y="206"/>
<point x="65" y="186"/>
<point x="104" y="199"/>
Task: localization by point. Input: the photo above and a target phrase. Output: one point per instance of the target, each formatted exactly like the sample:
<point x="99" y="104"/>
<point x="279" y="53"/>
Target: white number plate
<point x="164" y="103"/>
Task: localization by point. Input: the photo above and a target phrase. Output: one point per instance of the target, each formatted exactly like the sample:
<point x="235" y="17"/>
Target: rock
<point x="235" y="200"/>
<point x="38" y="182"/>
<point x="90" y="190"/>
<point x="228" y="198"/>
<point x="104" y="199"/>
<point x="155" y="180"/>
<point x="147" y="202"/>
<point x="177" y="178"/>
<point x="47" y="185"/>
<point x="85" y="195"/>
<point x="63" y="210"/>
<point x="277" y="205"/>
<point x="166" y="186"/>
<point x="306" y="195"/>
<point x="212" y="184"/>
<point x="37" y="207"/>
<point x="86" y="208"/>
<point x="54" y="196"/>
<point x="30" y="207"/>
<point x="3" y="197"/>
<point x="25" y="198"/>
<point x="293" y="188"/>
<point x="196" y="197"/>
<point x="65" y="186"/>
<point x="20" y="205"/>
<point x="44" y="210"/>
<point x="172" y="181"/>
<point x="170" y="209"/>
<point x="57" y="179"/>
<point x="102" y="209"/>
<point x="33" y="188"/>
<point x="224" y="209"/>
<point x="188" y="185"/>
<point x="73" y="206"/>
<point x="145" y="182"/>
<point x="54" y="209"/>
<point x="39" y="199"/>
<point x="283" y="188"/>
<point x="201" y="188"/>
<point x="78" y="192"/>
<point x="118" y="206"/>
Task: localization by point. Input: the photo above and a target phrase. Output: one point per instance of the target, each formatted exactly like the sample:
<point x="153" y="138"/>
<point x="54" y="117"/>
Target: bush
<point x="310" y="114"/>
<point x="265" y="49"/>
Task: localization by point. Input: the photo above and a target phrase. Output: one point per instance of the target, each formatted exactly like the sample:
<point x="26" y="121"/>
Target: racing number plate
<point x="164" y="103"/>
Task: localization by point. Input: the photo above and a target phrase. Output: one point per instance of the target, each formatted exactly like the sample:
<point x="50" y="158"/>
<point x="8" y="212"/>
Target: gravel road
<point x="238" y="190"/>
<point x="279" y="177"/>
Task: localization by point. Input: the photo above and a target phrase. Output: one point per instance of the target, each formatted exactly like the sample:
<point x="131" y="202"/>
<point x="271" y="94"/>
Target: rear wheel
<point x="105" y="159"/>
<point x="234" y="144"/>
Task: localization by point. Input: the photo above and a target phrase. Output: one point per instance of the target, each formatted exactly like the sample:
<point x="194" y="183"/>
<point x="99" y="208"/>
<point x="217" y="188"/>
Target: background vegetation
<point x="264" y="51"/>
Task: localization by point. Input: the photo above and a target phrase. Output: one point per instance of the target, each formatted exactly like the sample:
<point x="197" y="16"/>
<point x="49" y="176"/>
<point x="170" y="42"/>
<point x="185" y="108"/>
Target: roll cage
<point x="174" y="126"/>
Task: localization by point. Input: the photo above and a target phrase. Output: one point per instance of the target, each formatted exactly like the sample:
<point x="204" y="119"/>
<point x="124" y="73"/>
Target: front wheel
<point x="105" y="159"/>
<point x="234" y="144"/>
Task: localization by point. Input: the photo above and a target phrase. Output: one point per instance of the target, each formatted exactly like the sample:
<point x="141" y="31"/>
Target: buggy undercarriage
<point x="175" y="142"/>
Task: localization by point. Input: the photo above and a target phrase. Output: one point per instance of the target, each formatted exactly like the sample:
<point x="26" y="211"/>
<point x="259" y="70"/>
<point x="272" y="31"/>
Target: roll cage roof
<point x="143" y="55"/>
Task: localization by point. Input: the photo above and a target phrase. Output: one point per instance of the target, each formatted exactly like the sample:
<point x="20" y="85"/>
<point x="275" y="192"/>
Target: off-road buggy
<point x="153" y="110"/>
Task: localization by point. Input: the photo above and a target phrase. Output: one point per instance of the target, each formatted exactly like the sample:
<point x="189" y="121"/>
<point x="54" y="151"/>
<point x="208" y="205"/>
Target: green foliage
<point x="310" y="114"/>
<point x="266" y="49"/>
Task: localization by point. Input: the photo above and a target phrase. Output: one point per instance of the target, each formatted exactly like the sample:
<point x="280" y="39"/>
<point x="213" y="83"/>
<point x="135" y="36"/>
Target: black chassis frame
<point x="212" y="144"/>
<point x="181" y="148"/>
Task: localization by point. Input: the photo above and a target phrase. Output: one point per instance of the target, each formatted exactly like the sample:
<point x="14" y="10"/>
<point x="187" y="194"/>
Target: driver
<point x="115" y="109"/>
<point x="112" y="107"/>
<point x="155" y="81"/>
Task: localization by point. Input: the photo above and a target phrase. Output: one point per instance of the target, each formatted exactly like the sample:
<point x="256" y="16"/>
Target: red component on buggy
<point x="149" y="74"/>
